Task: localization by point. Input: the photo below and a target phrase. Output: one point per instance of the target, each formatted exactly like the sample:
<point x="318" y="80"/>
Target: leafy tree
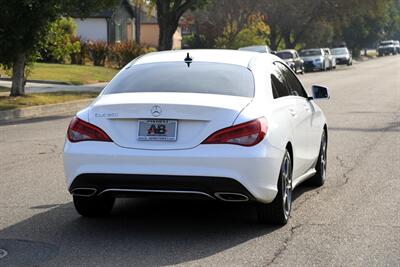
<point x="24" y="24"/>
<point x="362" y="26"/>
<point x="255" y="32"/>
<point x="57" y="45"/>
<point x="291" y="20"/>
<point x="322" y="22"/>
<point x="391" y="29"/>
<point x="219" y="24"/>
<point x="319" y="34"/>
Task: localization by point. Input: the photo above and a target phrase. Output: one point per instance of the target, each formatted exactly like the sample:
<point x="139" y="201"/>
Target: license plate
<point x="157" y="130"/>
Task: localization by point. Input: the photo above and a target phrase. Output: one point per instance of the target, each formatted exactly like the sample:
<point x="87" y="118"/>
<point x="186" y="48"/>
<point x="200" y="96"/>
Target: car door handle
<point x="292" y="112"/>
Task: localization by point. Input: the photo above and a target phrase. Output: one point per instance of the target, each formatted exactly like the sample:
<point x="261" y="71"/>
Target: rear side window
<point x="292" y="82"/>
<point x="199" y="77"/>
<point x="279" y="88"/>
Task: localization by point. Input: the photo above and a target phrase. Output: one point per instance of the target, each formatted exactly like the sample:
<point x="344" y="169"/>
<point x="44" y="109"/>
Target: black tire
<point x="278" y="212"/>
<point x="93" y="206"/>
<point x="319" y="178"/>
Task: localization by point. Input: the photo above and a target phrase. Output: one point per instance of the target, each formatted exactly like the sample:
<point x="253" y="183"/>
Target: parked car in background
<point x="292" y="59"/>
<point x="331" y="58"/>
<point x="342" y="56"/>
<point x="386" y="48"/>
<point x="397" y="45"/>
<point x="234" y="126"/>
<point x="257" y="48"/>
<point x="314" y="59"/>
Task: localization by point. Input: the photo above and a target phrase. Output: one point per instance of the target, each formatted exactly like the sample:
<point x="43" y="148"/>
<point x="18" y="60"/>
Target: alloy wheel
<point x="323" y="157"/>
<point x="286" y="173"/>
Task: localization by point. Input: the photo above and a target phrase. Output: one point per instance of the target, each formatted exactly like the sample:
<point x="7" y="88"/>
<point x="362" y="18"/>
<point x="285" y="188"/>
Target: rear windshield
<point x="199" y="77"/>
<point x="308" y="53"/>
<point x="340" y="51"/>
<point x="285" y="55"/>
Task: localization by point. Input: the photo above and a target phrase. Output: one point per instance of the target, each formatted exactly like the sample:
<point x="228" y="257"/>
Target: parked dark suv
<point x="386" y="48"/>
<point x="292" y="59"/>
<point x="397" y="45"/>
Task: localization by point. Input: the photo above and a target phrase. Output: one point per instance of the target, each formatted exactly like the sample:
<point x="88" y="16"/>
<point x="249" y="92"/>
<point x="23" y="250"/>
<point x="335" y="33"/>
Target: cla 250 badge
<point x="106" y="115"/>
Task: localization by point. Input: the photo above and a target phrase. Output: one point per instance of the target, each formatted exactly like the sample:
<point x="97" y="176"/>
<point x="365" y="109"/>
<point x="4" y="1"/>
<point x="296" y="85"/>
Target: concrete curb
<point x="44" y="110"/>
<point x="37" y="81"/>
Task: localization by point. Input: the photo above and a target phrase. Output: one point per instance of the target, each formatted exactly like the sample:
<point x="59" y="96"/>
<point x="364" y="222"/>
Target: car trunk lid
<point x="197" y="116"/>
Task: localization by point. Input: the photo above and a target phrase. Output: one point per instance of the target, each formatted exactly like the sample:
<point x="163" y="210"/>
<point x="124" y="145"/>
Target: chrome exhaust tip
<point x="84" y="192"/>
<point x="231" y="197"/>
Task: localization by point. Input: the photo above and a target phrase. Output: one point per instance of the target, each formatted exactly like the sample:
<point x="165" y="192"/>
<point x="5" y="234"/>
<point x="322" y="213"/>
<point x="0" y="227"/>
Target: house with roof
<point x="114" y="25"/>
<point x="118" y="25"/>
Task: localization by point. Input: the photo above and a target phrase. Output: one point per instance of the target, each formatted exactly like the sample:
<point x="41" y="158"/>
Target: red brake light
<point x="245" y="134"/>
<point x="80" y="130"/>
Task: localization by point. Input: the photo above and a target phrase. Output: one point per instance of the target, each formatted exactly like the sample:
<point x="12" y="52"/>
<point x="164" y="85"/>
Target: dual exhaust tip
<point x="84" y="192"/>
<point x="231" y="197"/>
<point x="224" y="196"/>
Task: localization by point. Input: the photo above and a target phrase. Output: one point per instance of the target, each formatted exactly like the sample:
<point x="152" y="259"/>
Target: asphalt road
<point x="354" y="220"/>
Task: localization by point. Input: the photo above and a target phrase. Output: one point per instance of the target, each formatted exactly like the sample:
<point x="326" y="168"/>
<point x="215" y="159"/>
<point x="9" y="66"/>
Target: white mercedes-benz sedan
<point x="198" y="124"/>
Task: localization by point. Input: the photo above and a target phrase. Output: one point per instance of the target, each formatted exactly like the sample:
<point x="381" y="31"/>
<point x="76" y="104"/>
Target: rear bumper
<point x="342" y="61"/>
<point x="310" y="65"/>
<point x="207" y="168"/>
<point x="386" y="50"/>
<point x="134" y="185"/>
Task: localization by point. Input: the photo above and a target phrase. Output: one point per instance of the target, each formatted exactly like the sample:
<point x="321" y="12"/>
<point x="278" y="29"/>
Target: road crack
<point x="285" y="244"/>
<point x="368" y="148"/>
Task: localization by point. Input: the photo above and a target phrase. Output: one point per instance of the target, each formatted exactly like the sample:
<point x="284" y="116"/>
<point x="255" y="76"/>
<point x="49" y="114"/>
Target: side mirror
<point x="320" y="92"/>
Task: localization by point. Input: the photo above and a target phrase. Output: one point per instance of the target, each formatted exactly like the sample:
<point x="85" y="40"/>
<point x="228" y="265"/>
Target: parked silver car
<point x="292" y="59"/>
<point x="315" y="59"/>
<point x="331" y="58"/>
<point x="342" y="55"/>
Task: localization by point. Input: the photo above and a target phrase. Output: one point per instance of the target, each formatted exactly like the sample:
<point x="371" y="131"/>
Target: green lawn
<point x="7" y="102"/>
<point x="371" y="53"/>
<point x="71" y="74"/>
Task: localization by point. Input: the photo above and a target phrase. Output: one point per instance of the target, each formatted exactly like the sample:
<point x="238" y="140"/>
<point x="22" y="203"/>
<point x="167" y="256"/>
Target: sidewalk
<point x="52" y="109"/>
<point x="45" y="88"/>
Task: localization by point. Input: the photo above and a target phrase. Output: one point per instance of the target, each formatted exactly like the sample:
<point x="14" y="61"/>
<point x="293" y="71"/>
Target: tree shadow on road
<point x="138" y="232"/>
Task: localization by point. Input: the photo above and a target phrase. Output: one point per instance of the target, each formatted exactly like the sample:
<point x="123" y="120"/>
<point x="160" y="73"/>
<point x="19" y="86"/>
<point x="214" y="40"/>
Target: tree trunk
<point x="289" y="43"/>
<point x="356" y="52"/>
<point x="138" y="10"/>
<point x="18" y="75"/>
<point x="167" y="30"/>
<point x="286" y="39"/>
<point x="273" y="39"/>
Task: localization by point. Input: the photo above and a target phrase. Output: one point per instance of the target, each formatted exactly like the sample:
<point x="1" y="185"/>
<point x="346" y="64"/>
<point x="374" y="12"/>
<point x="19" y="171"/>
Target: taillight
<point x="245" y="134"/>
<point x="80" y="130"/>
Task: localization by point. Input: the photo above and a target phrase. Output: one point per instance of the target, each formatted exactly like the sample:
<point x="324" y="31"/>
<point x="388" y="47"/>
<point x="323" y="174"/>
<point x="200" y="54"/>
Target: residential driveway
<point x="353" y="220"/>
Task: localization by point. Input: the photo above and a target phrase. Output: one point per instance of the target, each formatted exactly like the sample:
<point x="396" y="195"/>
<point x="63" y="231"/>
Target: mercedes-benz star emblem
<point x="156" y="111"/>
